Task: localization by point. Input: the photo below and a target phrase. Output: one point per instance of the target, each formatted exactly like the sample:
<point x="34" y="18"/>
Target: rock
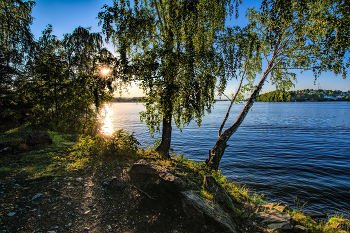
<point x="171" y="183"/>
<point x="160" y="177"/>
<point x="218" y="191"/>
<point x="79" y="179"/>
<point x="11" y="214"/>
<point x="277" y="206"/>
<point x="4" y="145"/>
<point x="142" y="167"/>
<point x="113" y="184"/>
<point x="273" y="216"/>
<point x="37" y="196"/>
<point x="6" y="149"/>
<point x="200" y="209"/>
<point x="273" y="219"/>
<point x="279" y="226"/>
<point x="299" y="229"/>
<point x="36" y="138"/>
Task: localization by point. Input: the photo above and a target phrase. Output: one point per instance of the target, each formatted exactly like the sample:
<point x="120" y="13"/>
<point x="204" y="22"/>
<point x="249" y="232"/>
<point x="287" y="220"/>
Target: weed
<point x="206" y="195"/>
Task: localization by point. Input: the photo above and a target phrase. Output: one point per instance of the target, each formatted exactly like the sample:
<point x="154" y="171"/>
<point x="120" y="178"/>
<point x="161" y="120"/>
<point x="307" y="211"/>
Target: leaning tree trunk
<point x="164" y="147"/>
<point x="218" y="150"/>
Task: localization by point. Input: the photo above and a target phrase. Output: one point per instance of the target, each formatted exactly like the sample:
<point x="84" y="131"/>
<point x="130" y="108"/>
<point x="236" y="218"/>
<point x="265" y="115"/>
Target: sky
<point x="66" y="15"/>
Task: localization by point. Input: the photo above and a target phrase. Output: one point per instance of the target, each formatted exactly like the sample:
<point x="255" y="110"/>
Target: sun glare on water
<point x="106" y="115"/>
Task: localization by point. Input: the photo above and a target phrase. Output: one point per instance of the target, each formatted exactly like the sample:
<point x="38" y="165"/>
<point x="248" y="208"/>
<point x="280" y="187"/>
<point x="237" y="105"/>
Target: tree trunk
<point x="164" y="147"/>
<point x="218" y="150"/>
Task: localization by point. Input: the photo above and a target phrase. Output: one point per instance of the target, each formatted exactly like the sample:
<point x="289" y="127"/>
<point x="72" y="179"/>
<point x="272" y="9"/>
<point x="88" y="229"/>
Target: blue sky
<point x="66" y="15"/>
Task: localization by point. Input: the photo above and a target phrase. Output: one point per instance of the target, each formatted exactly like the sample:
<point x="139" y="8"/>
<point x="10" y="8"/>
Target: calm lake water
<point x="284" y="150"/>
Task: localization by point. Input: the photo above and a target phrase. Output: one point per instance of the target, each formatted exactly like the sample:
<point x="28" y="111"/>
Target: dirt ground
<point x="98" y="200"/>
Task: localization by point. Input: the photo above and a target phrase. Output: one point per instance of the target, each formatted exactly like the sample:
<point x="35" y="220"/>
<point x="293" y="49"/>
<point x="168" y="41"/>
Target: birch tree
<point x="291" y="35"/>
<point x="169" y="47"/>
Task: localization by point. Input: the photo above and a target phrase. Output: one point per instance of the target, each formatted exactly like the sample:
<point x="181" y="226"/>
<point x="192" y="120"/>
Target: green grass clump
<point x="238" y="193"/>
<point x="334" y="224"/>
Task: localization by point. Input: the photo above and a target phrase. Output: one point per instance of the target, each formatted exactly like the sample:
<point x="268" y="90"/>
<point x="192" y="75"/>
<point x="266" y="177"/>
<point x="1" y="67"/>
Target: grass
<point x="334" y="223"/>
<point x="67" y="152"/>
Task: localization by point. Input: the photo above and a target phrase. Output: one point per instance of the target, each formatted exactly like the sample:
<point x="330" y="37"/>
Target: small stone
<point x="11" y="214"/>
<point x="69" y="203"/>
<point x="36" y="196"/>
<point x="79" y="179"/>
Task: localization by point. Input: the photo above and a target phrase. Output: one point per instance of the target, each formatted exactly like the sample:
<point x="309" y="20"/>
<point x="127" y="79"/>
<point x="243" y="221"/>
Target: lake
<point x="287" y="151"/>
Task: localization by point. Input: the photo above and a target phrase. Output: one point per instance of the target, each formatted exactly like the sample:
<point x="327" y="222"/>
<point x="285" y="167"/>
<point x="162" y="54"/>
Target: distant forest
<point x="304" y="95"/>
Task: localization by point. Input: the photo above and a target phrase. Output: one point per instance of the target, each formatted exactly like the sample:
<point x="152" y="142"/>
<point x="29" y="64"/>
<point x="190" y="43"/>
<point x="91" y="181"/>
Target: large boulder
<point x="203" y="210"/>
<point x="160" y="177"/>
<point x="37" y="138"/>
<point x="159" y="183"/>
<point x="219" y="193"/>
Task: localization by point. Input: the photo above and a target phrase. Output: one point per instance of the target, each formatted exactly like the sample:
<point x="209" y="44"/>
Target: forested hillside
<point x="304" y="95"/>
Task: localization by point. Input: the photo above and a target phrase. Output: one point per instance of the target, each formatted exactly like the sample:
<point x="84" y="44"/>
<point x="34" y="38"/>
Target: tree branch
<point x="232" y="101"/>
<point x="159" y="16"/>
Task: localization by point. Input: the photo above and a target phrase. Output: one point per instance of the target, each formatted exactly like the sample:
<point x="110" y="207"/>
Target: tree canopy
<point x="16" y="39"/>
<point x="170" y="48"/>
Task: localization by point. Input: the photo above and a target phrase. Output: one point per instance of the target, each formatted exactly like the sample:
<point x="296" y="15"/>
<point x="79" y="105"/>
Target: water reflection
<point x="106" y="120"/>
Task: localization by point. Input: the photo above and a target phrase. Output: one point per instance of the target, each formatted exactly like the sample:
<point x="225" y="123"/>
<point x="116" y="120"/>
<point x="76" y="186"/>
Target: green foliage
<point x="63" y="83"/>
<point x="169" y="46"/>
<point x="295" y="35"/>
<point x="121" y="146"/>
<point x="66" y="80"/>
<point x="16" y="40"/>
<point x="207" y="195"/>
<point x="310" y="95"/>
<point x="275" y="96"/>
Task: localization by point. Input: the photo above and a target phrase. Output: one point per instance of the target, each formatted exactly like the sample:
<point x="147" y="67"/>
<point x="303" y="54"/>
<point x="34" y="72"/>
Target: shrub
<point x="120" y="146"/>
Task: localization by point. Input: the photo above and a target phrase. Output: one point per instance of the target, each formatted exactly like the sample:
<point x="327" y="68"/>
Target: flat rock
<point x="273" y="216"/>
<point x="200" y="209"/>
<point x="279" y="226"/>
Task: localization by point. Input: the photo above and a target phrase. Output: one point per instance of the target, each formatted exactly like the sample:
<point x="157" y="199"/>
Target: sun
<point x="105" y="71"/>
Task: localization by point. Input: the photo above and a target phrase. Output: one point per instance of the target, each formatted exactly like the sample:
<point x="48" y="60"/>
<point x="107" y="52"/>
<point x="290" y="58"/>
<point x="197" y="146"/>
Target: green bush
<point x="120" y="146"/>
